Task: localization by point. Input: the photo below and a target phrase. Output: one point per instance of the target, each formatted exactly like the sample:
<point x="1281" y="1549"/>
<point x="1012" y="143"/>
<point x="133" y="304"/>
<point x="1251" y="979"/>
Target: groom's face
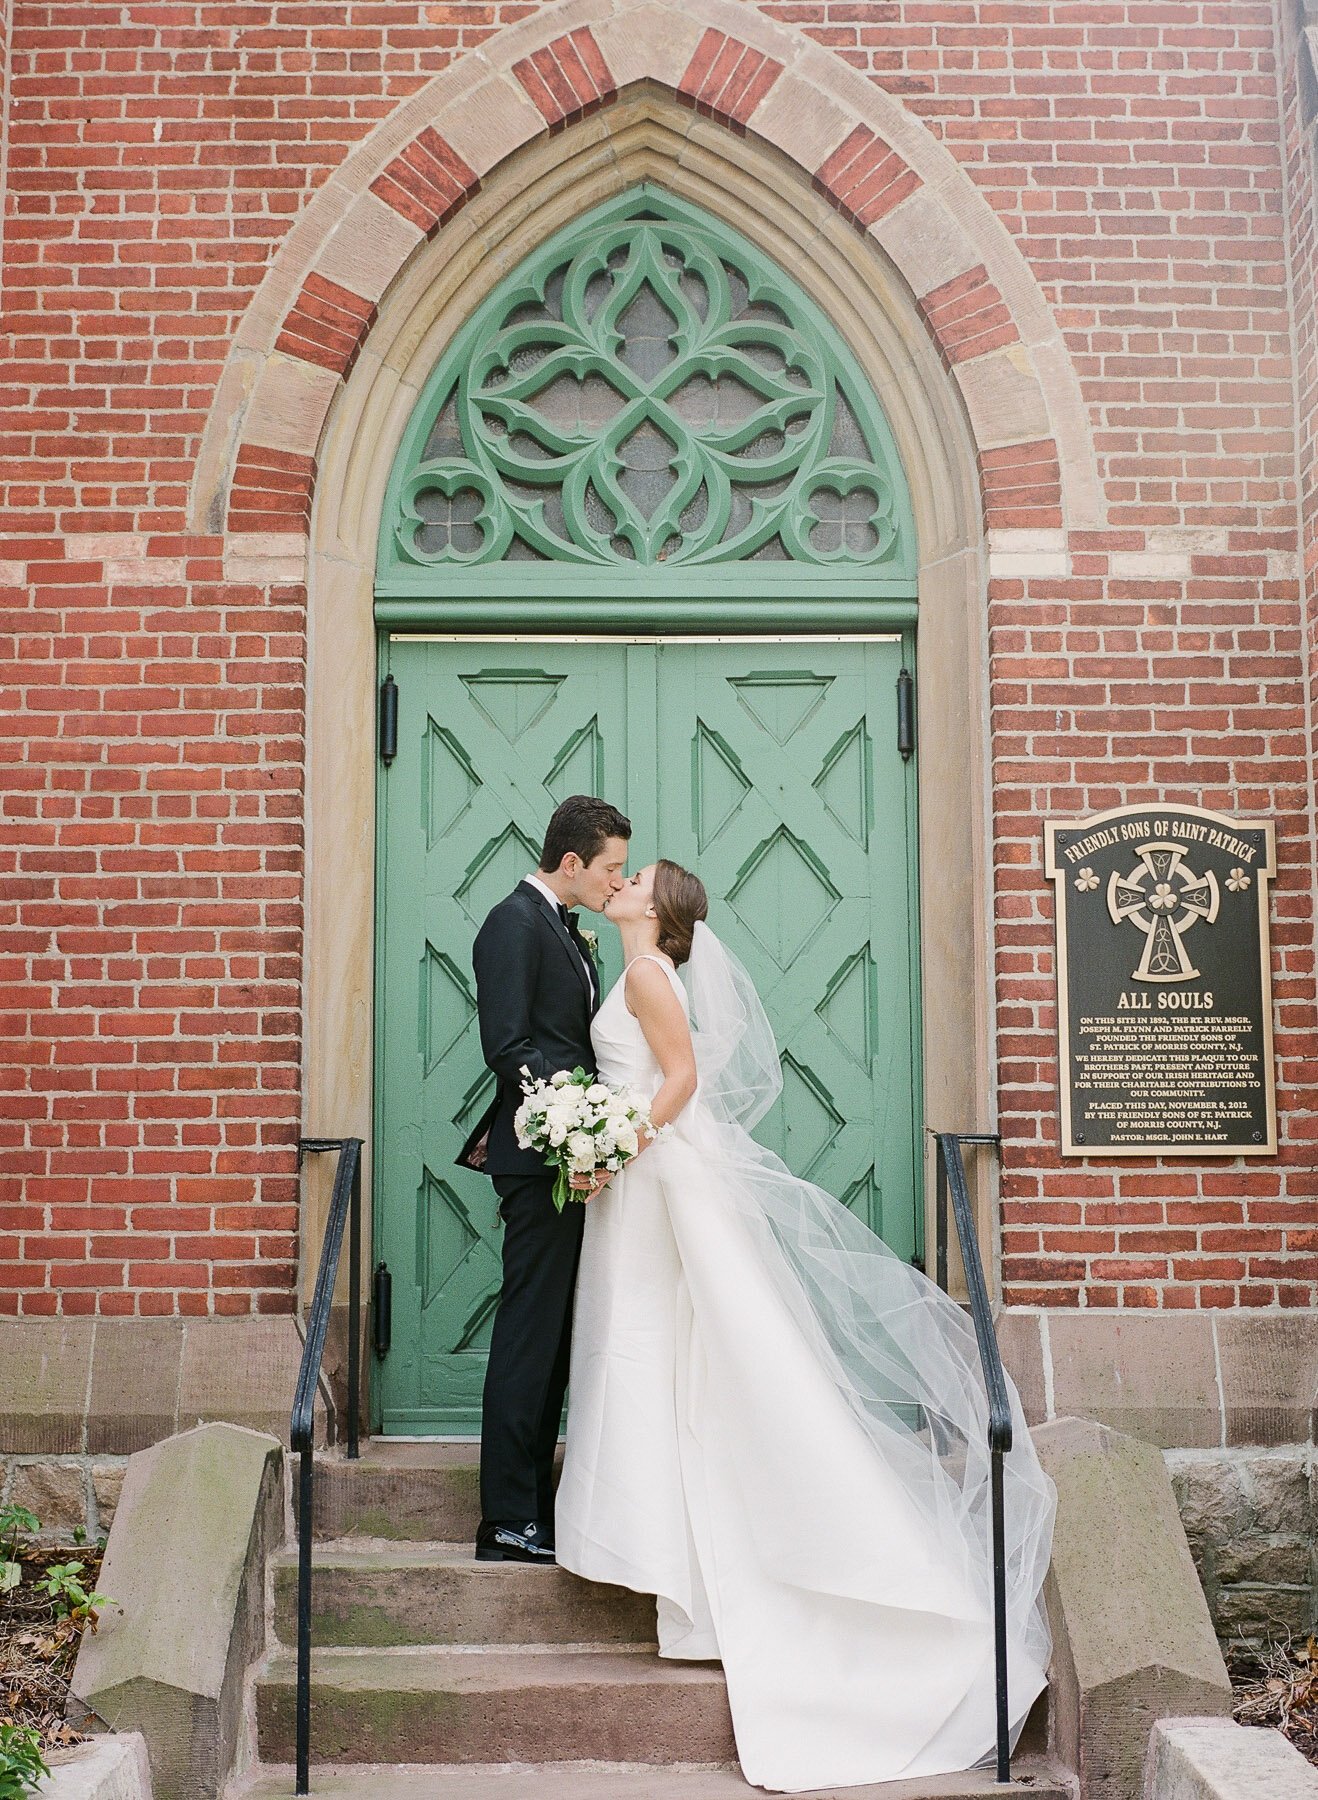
<point x="596" y="882"/>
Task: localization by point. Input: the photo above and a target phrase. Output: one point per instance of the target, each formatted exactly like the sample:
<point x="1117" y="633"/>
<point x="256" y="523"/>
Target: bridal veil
<point x="902" y="1355"/>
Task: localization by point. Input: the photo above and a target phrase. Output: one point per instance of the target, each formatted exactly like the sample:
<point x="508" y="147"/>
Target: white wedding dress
<point x="779" y="1429"/>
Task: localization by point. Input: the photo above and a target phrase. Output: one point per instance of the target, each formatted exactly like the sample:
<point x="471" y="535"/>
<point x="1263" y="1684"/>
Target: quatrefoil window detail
<point x="649" y="391"/>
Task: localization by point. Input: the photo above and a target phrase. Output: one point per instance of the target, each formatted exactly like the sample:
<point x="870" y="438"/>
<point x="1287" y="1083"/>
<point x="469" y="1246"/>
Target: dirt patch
<point x="39" y="1637"/>
<point x="1278" y="1686"/>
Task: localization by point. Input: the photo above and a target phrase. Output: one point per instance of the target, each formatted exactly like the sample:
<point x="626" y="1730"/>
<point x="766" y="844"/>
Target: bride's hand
<point x="590" y="1185"/>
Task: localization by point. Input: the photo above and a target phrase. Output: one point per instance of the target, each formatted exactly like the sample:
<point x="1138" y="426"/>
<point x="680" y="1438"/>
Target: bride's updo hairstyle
<point x="679" y="900"/>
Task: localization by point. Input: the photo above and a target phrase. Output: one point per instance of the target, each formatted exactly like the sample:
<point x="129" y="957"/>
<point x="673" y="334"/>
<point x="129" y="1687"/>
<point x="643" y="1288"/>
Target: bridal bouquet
<point x="580" y="1125"/>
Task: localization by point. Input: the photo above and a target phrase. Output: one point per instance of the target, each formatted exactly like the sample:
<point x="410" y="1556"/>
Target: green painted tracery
<point x="647" y="390"/>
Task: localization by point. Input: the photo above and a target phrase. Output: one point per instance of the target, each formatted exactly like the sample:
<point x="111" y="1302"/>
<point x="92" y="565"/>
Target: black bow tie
<point x="565" y="916"/>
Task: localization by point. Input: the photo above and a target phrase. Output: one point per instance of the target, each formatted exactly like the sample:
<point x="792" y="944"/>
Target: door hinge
<point x="905" y="715"/>
<point x="388" y="720"/>
<point x="382" y="1309"/>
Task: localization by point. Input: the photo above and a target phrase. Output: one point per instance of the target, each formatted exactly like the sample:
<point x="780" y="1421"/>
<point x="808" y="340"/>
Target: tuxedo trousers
<point x="530" y="1351"/>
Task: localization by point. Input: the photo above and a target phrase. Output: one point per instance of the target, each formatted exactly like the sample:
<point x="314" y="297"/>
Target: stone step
<point x="1031" y="1778"/>
<point x="480" y="1706"/>
<point x="420" y="1493"/>
<point x="382" y="1593"/>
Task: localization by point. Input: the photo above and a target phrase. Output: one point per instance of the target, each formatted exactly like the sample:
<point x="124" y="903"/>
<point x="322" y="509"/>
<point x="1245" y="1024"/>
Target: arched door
<point x="646" y="536"/>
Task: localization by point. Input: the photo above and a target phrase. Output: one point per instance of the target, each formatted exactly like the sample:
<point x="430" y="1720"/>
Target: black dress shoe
<point x="513" y="1543"/>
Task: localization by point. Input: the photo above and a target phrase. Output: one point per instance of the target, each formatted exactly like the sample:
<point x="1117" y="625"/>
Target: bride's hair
<point x="679" y="900"/>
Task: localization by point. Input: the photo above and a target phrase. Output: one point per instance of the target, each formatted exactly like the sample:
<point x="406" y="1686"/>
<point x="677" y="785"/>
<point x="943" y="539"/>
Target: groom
<point x="537" y="990"/>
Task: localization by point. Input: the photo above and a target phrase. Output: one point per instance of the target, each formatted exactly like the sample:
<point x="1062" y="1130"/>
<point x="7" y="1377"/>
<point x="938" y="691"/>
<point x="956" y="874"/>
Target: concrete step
<point x="411" y="1492"/>
<point x="380" y="1593"/>
<point x="1032" y="1779"/>
<point x="514" y="1705"/>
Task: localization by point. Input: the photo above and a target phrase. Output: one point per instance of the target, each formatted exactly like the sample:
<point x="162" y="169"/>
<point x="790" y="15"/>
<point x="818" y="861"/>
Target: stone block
<point x="1210" y="1491"/>
<point x="1003" y="397"/>
<point x="107" y="1485"/>
<point x="55" y="1492"/>
<point x="490" y="122"/>
<point x="368" y="247"/>
<point x="1264" y="1562"/>
<point x="134" y="1391"/>
<point x="649" y="43"/>
<point x="287" y="410"/>
<point x="104" y="1768"/>
<point x="1133" y="1640"/>
<point x="1269" y="1377"/>
<point x="1216" y="1759"/>
<point x="1021" y="1345"/>
<point x="1279" y="1494"/>
<point x="44" y="1366"/>
<point x="185" y="1563"/>
<point x="803" y="122"/>
<point x="243" y="1371"/>
<point x="265" y="557"/>
<point x="1259" y="1613"/>
<point x="1153" y="1375"/>
<point x="926" y="241"/>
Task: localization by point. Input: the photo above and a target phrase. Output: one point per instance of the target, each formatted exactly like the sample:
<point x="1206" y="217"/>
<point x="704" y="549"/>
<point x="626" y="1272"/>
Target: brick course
<point x="1154" y="165"/>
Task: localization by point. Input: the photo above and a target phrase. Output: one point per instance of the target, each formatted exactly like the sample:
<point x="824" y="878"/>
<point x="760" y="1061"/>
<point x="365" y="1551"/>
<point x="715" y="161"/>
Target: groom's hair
<point x="581" y="824"/>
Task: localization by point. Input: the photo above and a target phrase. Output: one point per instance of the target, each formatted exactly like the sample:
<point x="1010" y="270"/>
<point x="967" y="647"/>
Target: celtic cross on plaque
<point x="1164" y="898"/>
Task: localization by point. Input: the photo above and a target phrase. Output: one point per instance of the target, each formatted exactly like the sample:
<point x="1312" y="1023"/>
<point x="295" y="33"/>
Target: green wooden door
<point x="784" y="788"/>
<point x="772" y="769"/>
<point x="491" y="737"/>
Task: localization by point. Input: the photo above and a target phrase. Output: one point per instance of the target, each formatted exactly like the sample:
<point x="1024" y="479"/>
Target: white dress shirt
<point x="555" y="902"/>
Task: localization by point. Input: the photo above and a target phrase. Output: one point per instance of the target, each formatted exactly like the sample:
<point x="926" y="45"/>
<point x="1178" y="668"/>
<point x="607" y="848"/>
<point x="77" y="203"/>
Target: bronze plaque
<point x="1164" y="989"/>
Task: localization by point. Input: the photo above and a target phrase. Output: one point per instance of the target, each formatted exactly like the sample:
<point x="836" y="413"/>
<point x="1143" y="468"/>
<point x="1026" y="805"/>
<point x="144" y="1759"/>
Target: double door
<point x="769" y="767"/>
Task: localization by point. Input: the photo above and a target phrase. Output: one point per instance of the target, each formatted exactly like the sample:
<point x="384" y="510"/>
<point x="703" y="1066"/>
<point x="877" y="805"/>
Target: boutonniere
<point x="592" y="942"/>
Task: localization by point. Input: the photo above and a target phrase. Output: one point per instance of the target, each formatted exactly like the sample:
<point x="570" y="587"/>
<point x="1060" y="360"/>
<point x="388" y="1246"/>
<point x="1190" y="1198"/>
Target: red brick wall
<point x="150" y="937"/>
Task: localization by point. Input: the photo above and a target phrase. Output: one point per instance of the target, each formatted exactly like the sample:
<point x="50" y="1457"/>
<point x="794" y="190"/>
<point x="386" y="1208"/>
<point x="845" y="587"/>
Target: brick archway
<point x="875" y="164"/>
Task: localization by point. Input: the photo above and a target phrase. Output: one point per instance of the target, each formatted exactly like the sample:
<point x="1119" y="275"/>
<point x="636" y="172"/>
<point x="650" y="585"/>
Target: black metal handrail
<point x="345" y="1210"/>
<point x="951" y="1178"/>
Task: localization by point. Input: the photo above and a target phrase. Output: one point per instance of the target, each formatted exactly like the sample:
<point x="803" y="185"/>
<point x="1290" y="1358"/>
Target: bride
<point x="776" y="1426"/>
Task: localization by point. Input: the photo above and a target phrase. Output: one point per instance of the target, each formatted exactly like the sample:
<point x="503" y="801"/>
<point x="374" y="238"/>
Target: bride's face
<point x="633" y="897"/>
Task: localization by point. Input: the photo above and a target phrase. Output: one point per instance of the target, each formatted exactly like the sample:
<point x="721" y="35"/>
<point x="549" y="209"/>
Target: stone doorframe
<point x="828" y="175"/>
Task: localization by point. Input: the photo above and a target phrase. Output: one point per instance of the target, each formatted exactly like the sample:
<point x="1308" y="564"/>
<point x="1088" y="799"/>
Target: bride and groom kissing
<point x="776" y="1426"/>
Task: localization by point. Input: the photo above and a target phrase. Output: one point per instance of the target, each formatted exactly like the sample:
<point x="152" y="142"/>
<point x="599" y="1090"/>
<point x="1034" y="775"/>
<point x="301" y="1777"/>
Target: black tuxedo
<point x="535" y="998"/>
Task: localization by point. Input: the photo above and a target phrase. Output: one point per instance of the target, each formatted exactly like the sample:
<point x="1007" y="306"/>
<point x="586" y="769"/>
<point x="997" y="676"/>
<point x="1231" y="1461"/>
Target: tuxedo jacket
<point x="534" y="1001"/>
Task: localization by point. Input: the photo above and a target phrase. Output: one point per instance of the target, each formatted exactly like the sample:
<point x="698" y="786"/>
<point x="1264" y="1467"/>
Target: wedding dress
<point x="779" y="1428"/>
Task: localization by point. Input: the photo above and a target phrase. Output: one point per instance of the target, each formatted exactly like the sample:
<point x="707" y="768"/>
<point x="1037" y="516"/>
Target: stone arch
<point x="877" y="166"/>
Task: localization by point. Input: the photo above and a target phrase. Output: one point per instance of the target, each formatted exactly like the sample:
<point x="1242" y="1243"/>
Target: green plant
<point x="21" y="1764"/>
<point x="14" y="1519"/>
<point x="63" y="1584"/>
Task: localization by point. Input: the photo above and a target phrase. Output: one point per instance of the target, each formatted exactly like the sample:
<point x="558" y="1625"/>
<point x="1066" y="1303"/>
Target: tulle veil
<point x="901" y="1353"/>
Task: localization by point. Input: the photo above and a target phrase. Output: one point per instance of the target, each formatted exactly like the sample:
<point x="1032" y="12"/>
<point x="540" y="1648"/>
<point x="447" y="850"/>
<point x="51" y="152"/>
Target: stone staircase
<point x="437" y="1676"/>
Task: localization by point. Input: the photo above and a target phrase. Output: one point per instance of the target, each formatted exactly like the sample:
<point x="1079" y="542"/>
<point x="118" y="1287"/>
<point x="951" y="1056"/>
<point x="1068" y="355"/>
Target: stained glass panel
<point x="648" y="390"/>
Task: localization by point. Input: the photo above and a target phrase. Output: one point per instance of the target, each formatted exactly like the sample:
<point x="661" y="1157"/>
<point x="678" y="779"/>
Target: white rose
<point x="626" y="1141"/>
<point x="598" y="1094"/>
<point x="555" y="1133"/>
<point x="559" y="1078"/>
<point x="581" y="1146"/>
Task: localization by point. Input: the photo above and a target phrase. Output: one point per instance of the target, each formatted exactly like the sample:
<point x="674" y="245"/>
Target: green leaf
<point x="11" y="1574"/>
